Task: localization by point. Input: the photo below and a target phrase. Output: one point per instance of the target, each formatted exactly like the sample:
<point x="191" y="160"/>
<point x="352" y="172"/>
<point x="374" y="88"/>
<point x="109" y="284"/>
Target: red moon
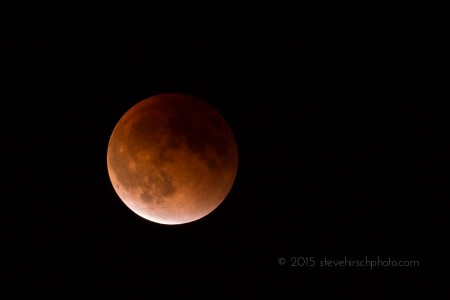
<point x="172" y="159"/>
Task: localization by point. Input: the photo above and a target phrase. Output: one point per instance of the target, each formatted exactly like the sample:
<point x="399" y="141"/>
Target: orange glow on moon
<point x="172" y="159"/>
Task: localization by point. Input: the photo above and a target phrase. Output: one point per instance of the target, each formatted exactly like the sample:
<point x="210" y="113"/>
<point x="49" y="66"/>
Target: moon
<point x="172" y="159"/>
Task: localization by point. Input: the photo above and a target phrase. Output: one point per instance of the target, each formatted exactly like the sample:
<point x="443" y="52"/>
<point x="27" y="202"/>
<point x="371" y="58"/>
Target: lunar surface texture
<point x="172" y="159"/>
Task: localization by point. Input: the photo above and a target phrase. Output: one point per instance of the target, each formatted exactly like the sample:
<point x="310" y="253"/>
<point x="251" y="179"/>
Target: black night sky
<point x="340" y="114"/>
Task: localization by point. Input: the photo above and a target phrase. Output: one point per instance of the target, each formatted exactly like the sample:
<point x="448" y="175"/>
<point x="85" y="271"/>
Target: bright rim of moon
<point x="172" y="159"/>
